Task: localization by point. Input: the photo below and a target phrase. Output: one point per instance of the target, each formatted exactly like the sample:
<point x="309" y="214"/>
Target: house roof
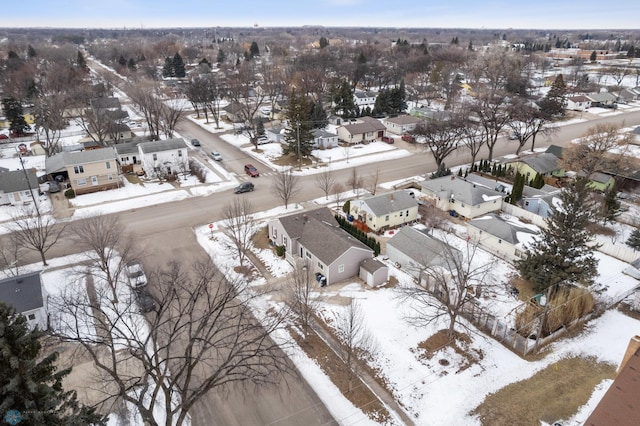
<point x="126" y="148"/>
<point x="105" y="103"/>
<point x="361" y="128"/>
<point x="555" y="150"/>
<point x="620" y="405"/>
<point x="60" y="161"/>
<point x="543" y="162"/>
<point x="372" y="265"/>
<point x="364" y="94"/>
<point x="165" y="145"/>
<point x="500" y="228"/>
<point x="432" y="114"/>
<point x="403" y="119"/>
<point x="492" y="183"/>
<point x="23" y="292"/>
<point x="318" y="231"/>
<point x="461" y="190"/>
<point x="419" y="246"/>
<point x="319" y="133"/>
<point x="600" y="177"/>
<point x="602" y="97"/>
<point x="383" y="204"/>
<point x="15" y="180"/>
<point x="579" y="98"/>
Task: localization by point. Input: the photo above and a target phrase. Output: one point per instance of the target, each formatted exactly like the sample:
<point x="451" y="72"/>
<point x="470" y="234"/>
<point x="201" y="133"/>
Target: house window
<point x="341" y="268"/>
<point x="82" y="182"/>
<point x="526" y="203"/>
<point x="275" y="234"/>
<point x="108" y="164"/>
<point x="499" y="241"/>
<point x="32" y="316"/>
<point x="407" y="213"/>
<point x="155" y="157"/>
<point x="179" y="153"/>
<point x="78" y="169"/>
<point x="94" y="180"/>
<point x="386" y="218"/>
<point x="400" y="214"/>
<point x="308" y="255"/>
<point x="284" y="240"/>
<point x="321" y="266"/>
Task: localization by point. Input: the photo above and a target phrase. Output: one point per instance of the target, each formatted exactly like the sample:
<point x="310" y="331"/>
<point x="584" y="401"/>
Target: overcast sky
<point x="541" y="14"/>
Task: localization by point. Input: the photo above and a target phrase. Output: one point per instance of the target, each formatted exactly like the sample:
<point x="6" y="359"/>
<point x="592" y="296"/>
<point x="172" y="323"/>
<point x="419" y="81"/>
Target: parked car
<point x="262" y="140"/>
<point x="388" y="139"/>
<point x="408" y="138"/>
<point x="135" y="272"/>
<point x="243" y="187"/>
<point x="195" y="142"/>
<point x="53" y="186"/>
<point x="216" y="155"/>
<point x="145" y="300"/>
<point x="251" y="171"/>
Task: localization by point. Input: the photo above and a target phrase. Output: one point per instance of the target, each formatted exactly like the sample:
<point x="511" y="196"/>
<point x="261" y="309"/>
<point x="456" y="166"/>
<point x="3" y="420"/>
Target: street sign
<point x="211" y="226"/>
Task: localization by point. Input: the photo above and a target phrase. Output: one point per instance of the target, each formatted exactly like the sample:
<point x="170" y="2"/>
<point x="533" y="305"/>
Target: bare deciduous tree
<point x="301" y="293"/>
<point x="285" y="185"/>
<point x="372" y="181"/>
<point x="602" y="147"/>
<point x="238" y="221"/>
<point x="338" y="194"/>
<point x="526" y="123"/>
<point x="10" y="254"/>
<point x="325" y="181"/>
<point x="200" y="337"/>
<point x="355" y="338"/>
<point x="36" y="232"/>
<point x="449" y="281"/>
<point x="441" y="137"/>
<point x="354" y="181"/>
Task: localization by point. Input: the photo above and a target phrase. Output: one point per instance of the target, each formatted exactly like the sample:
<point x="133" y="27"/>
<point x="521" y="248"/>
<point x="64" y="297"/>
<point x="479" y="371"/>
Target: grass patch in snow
<point x="553" y="393"/>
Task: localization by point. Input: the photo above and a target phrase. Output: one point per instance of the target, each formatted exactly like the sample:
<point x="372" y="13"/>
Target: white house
<point x="162" y="158"/>
<point x="17" y="187"/>
<point x="401" y="124"/>
<point x="461" y="197"/>
<point x="365" y="129"/>
<point x="27" y="295"/>
<point x="364" y="99"/>
<point x="578" y="103"/>
<point x="385" y="211"/>
<point x="504" y="238"/>
<point x="324" y="139"/>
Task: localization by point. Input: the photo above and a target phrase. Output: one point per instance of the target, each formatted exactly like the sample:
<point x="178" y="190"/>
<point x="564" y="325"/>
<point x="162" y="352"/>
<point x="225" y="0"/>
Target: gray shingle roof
<point x="23" y="292"/>
<point x="319" y="133"/>
<point x="499" y="228"/>
<point x="383" y="204"/>
<point x="165" y="145"/>
<point x="404" y="119"/>
<point x="15" y="180"/>
<point x="419" y="246"/>
<point x="294" y="223"/>
<point x="372" y="265"/>
<point x="460" y="190"/>
<point x="59" y="161"/>
<point x="544" y="162"/>
<point x="126" y="148"/>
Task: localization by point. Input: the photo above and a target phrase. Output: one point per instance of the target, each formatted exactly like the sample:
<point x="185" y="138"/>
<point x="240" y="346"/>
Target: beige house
<point x="385" y="211"/>
<point x="462" y="198"/>
<point x="87" y="171"/>
<point x="363" y="130"/>
<point x="401" y="124"/>
<point x="506" y="239"/>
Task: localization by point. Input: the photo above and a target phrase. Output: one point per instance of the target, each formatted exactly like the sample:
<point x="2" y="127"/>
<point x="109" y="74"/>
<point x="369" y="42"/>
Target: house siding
<point x="94" y="176"/>
<point x="351" y="260"/>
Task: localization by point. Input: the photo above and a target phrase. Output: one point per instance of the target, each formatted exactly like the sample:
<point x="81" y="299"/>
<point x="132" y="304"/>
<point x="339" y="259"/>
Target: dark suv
<point x="243" y="187"/>
<point x="251" y="171"/>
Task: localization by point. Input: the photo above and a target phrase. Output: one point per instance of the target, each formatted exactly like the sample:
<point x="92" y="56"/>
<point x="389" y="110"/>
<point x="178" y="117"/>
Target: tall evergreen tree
<point x="178" y="66"/>
<point x="30" y="385"/>
<point x="80" y="61"/>
<point x="14" y="114"/>
<point x="323" y="42"/>
<point x="561" y="255"/>
<point x="555" y="102"/>
<point x="634" y="240"/>
<point x="343" y="101"/>
<point x="298" y="135"/>
<point x="221" y="56"/>
<point x="31" y="52"/>
<point x="611" y="204"/>
<point x="254" y="50"/>
<point x="318" y="116"/>
<point x="167" y="69"/>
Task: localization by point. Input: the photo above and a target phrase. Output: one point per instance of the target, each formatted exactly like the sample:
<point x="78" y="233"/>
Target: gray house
<point x="315" y="237"/>
<point x="413" y="251"/>
<point x="373" y="272"/>
<point x="16" y="188"/>
<point x="540" y="201"/>
<point x="26" y="294"/>
<point x="504" y="238"/>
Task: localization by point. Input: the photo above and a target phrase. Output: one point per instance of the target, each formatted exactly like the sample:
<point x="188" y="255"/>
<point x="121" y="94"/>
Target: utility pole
<point x="26" y="176"/>
<point x="298" y="142"/>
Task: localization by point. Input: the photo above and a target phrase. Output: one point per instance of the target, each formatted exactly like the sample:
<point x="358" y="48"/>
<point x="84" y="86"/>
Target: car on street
<point x="136" y="275"/>
<point x="145" y="300"/>
<point x="251" y="171"/>
<point x="243" y="187"/>
<point x="387" y="139"/>
<point x="216" y="155"/>
<point x="408" y="138"/>
<point x="195" y="142"/>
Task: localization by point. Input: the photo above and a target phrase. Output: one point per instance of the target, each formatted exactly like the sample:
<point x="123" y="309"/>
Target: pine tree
<point x="131" y="64"/>
<point x="634" y="240"/>
<point x="560" y="255"/>
<point x="80" y="61"/>
<point x="167" y="69"/>
<point x="323" y="42"/>
<point x="221" y="56"/>
<point x="611" y="204"/>
<point x="555" y="102"/>
<point x="593" y="56"/>
<point x="31" y="52"/>
<point x="318" y="116"/>
<point x="516" y="190"/>
<point x="14" y="114"/>
<point x="178" y="66"/>
<point x="254" y="50"/>
<point x="260" y="127"/>
<point x="538" y="181"/>
<point x="29" y="382"/>
<point x="344" y="103"/>
<point x="298" y="135"/>
<point x="122" y="61"/>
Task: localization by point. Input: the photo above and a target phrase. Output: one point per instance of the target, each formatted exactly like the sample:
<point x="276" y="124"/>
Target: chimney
<point x="391" y="196"/>
<point x="632" y="348"/>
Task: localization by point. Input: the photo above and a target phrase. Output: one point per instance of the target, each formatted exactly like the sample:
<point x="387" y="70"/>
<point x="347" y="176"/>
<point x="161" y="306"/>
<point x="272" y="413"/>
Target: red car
<point x="408" y="138"/>
<point x="387" y="139"/>
<point x="251" y="171"/>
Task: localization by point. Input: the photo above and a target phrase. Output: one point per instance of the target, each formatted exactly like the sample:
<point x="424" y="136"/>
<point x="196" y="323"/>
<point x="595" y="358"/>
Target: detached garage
<point x="373" y="272"/>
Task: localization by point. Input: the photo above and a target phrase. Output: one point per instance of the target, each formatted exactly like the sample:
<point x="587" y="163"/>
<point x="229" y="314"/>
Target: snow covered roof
<point x="15" y="180"/>
<point x="419" y="246"/>
<point x="165" y="145"/>
<point x="60" y="161"/>
<point x="460" y="190"/>
<point x="23" y="292"/>
<point x="384" y="204"/>
<point x="502" y="229"/>
<point x="544" y="162"/>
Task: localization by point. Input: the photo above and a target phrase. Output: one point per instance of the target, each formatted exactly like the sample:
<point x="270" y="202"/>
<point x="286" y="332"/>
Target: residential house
<point x="620" y="404"/>
<point x="543" y="163"/>
<point x="27" y="296"/>
<point x="365" y="129"/>
<point x="401" y="124"/>
<point x="234" y="113"/>
<point x="275" y="134"/>
<point x="603" y="99"/>
<point x="504" y="238"/>
<point x="462" y="198"/>
<point x="36" y="148"/>
<point x="364" y="99"/>
<point x="87" y="171"/>
<point x="540" y="201"/>
<point x="162" y="158"/>
<point x="18" y="187"/>
<point x="626" y="95"/>
<point x="373" y="272"/>
<point x="113" y="133"/>
<point x="323" y="139"/>
<point x="602" y="182"/>
<point x="414" y="250"/>
<point x="578" y="103"/>
<point x="385" y="211"/>
<point x="315" y="237"/>
<point x="431" y="114"/>
<point x="129" y="156"/>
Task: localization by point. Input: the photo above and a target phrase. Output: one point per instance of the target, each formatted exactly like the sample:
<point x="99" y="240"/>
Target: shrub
<point x="70" y="193"/>
<point x="280" y="250"/>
